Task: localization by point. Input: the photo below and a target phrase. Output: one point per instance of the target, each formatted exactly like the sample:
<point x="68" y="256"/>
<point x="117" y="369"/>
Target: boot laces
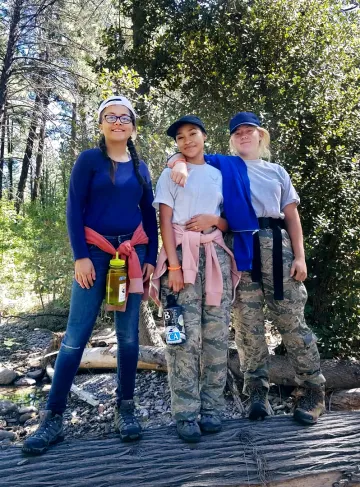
<point x="47" y="428"/>
<point x="126" y="417"/>
<point x="310" y="398"/>
<point x="258" y="394"/>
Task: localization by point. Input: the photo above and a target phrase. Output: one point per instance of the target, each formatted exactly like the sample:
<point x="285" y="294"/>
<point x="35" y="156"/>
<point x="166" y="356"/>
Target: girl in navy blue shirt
<point x="110" y="193"/>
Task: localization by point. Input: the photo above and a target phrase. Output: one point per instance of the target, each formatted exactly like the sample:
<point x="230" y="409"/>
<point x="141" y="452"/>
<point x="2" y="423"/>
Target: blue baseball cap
<point x="243" y="118"/>
<point x="172" y="130"/>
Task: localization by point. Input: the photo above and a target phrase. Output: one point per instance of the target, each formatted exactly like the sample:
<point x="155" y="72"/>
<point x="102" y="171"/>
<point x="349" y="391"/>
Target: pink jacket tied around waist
<point x="190" y="242"/>
<point x="128" y="253"/>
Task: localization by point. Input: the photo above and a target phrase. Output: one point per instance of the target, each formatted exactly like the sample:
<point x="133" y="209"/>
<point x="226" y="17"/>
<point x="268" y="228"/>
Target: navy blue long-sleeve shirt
<point x="109" y="208"/>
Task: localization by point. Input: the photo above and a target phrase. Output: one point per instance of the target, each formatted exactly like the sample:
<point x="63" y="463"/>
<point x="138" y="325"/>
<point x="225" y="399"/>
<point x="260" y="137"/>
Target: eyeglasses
<point x="113" y="118"/>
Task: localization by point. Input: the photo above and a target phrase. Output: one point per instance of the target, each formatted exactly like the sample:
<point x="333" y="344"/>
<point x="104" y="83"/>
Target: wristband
<point x="174" y="268"/>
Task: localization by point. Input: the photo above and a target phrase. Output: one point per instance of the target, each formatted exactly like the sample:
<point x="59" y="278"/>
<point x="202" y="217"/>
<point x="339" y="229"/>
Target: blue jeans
<point x="84" y="309"/>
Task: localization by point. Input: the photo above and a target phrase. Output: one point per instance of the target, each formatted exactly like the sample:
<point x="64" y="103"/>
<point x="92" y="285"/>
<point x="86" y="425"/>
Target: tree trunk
<point x="2" y="153"/>
<point x="139" y="42"/>
<point x="9" y="55"/>
<point x="10" y="158"/>
<point x="39" y="156"/>
<point x="339" y="374"/>
<point x="73" y="133"/>
<point x="27" y="155"/>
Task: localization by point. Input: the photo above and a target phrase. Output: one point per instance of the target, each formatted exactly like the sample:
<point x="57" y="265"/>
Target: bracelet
<point x="174" y="268"/>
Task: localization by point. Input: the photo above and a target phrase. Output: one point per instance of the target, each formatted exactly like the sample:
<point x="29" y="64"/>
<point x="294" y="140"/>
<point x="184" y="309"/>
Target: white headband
<point x="116" y="100"/>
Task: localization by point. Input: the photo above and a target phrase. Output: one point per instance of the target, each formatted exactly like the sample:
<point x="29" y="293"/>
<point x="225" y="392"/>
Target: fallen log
<point x="345" y="400"/>
<point x="340" y="374"/>
<point x="105" y="358"/>
<point x="83" y="395"/>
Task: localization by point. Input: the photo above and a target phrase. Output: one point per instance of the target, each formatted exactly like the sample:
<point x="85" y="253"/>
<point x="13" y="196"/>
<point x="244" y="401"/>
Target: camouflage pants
<point x="287" y="316"/>
<point x="197" y="368"/>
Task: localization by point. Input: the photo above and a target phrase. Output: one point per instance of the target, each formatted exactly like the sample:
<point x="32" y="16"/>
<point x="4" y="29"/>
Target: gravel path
<point x="19" y="344"/>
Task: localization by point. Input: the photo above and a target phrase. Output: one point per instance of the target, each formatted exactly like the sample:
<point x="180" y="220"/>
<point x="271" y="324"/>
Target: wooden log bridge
<point x="275" y="452"/>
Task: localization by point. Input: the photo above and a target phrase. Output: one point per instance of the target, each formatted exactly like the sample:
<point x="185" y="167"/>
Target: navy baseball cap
<point x="172" y="130"/>
<point x="243" y="118"/>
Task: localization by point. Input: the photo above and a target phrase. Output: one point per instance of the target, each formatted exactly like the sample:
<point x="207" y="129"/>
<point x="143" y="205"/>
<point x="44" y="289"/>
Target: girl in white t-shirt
<point x="195" y="266"/>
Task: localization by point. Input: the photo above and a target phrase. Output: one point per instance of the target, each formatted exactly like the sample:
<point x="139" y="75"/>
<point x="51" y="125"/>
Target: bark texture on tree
<point x="13" y="38"/>
<point x="2" y="151"/>
<point x="28" y="154"/>
<point x="9" y="132"/>
<point x="40" y="152"/>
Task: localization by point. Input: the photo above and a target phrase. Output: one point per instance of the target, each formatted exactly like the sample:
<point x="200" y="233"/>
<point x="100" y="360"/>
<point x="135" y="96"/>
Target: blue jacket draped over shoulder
<point x="238" y="209"/>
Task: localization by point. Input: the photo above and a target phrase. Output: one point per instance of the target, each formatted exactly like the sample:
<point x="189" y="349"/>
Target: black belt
<point x="276" y="224"/>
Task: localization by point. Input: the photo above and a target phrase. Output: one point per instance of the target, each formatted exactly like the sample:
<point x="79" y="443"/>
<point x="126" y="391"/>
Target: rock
<point x="36" y="374"/>
<point x="7" y="376"/>
<point x="27" y="409"/>
<point x="144" y="413"/>
<point x="7" y="407"/>
<point x="25" y="381"/>
<point x="25" y="417"/>
<point x="11" y="421"/>
<point x="31" y="422"/>
<point x="7" y="434"/>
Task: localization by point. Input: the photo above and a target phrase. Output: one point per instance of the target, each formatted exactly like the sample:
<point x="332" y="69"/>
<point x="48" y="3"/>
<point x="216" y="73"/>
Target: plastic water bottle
<point x="116" y="282"/>
<point x="173" y="322"/>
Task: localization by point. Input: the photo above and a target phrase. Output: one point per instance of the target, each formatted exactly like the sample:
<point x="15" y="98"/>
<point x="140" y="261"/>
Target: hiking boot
<point x="309" y="403"/>
<point x="258" y="400"/>
<point x="50" y="431"/>
<point x="210" y="423"/>
<point x="125" y="421"/>
<point x="189" y="431"/>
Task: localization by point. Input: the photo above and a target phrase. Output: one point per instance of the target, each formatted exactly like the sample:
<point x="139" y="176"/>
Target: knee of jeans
<point x="70" y="344"/>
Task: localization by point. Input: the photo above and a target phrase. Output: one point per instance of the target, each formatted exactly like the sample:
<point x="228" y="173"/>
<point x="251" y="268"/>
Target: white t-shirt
<point x="202" y="193"/>
<point x="271" y="188"/>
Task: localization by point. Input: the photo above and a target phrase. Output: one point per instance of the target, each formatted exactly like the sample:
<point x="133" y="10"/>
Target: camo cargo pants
<point x="197" y="368"/>
<point x="286" y="315"/>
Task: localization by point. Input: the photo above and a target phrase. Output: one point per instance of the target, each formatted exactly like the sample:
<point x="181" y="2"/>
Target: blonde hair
<point x="264" y="146"/>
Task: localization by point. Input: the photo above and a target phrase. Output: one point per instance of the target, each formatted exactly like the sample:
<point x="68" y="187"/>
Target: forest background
<point x="294" y="62"/>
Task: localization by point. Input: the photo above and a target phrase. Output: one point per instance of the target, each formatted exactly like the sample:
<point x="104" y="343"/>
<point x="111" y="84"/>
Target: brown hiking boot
<point x="258" y="401"/>
<point x="309" y="403"/>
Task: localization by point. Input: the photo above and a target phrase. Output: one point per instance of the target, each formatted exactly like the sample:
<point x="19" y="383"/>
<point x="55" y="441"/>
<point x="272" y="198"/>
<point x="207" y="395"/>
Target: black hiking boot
<point x="258" y="401"/>
<point x="210" y="423"/>
<point x="125" y="421"/>
<point x="309" y="403"/>
<point x="49" y="432"/>
<point x="189" y="431"/>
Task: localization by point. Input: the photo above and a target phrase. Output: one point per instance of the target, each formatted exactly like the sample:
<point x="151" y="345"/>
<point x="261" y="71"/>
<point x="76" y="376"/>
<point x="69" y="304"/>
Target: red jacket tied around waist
<point x="128" y="253"/>
<point x="190" y="243"/>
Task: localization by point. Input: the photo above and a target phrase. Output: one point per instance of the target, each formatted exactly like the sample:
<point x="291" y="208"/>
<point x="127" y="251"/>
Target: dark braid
<point x="102" y="147"/>
<point x="135" y="160"/>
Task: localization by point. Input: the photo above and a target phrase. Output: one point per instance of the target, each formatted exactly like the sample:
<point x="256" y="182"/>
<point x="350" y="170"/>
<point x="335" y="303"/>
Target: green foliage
<point x="35" y="256"/>
<point x="297" y="64"/>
